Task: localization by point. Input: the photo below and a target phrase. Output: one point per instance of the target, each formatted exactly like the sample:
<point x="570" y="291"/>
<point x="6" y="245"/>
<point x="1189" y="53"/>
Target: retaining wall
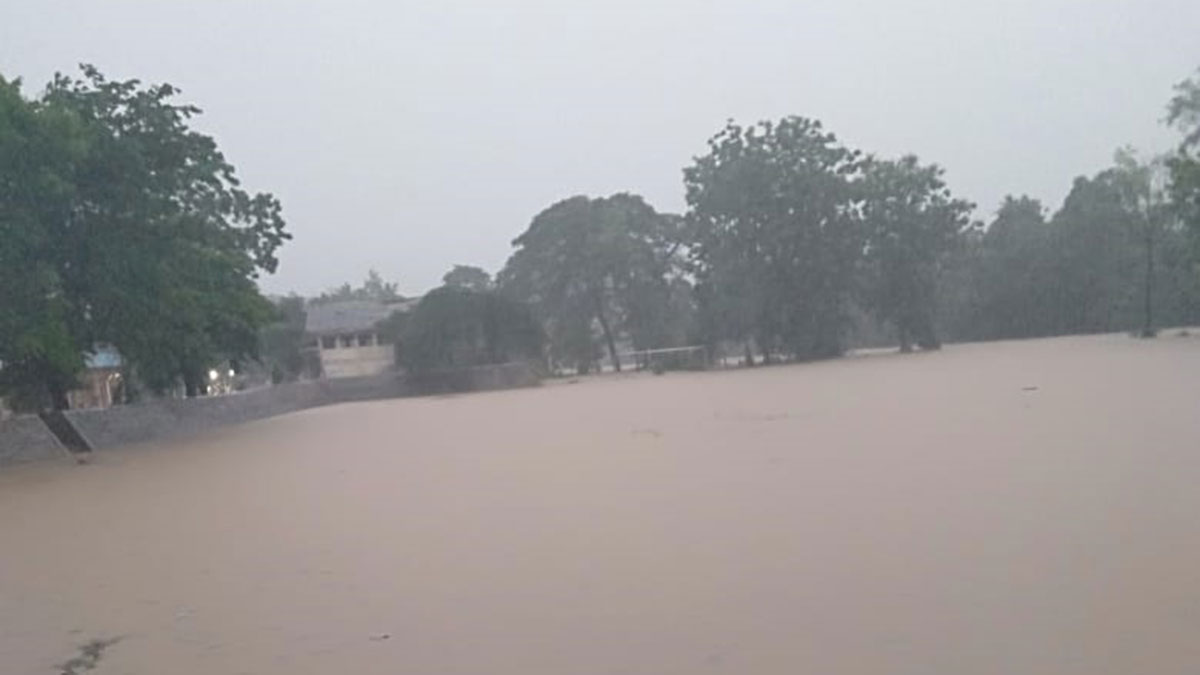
<point x="26" y="439"/>
<point x="167" y="418"/>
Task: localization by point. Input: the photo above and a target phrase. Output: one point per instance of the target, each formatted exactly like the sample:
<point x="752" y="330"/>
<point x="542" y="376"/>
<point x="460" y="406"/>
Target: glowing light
<point x="213" y="375"/>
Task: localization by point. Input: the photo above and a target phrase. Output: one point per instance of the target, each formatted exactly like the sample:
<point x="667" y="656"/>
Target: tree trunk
<point x="925" y="333"/>
<point x="192" y="384"/>
<point x="608" y="336"/>
<point x="1148" y="320"/>
<point x="58" y="397"/>
<point x="905" y="336"/>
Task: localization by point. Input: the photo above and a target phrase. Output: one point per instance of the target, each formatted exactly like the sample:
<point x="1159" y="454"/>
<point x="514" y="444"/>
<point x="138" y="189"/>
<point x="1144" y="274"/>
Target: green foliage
<point x="1006" y="272"/>
<point x="373" y="288"/>
<point x="134" y="231"/>
<point x="1112" y="258"/>
<point x="911" y="224"/>
<point x="776" y="236"/>
<point x="283" y="342"/>
<point x="459" y="328"/>
<point x="469" y="277"/>
<point x="39" y="150"/>
<point x="605" y="263"/>
<point x="1183" y="112"/>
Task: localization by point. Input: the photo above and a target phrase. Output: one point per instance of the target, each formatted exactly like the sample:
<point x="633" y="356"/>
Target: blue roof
<point x="103" y="356"/>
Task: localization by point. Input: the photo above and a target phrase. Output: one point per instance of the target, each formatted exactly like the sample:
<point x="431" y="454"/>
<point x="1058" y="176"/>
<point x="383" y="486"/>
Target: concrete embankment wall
<point x="28" y="438"/>
<point x="168" y="418"/>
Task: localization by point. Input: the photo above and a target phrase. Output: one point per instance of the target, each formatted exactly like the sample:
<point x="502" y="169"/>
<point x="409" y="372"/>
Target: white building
<point x="345" y="334"/>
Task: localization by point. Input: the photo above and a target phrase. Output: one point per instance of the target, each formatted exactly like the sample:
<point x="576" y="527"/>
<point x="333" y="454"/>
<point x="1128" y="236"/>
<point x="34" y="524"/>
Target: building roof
<point x="351" y="316"/>
<point x="103" y="356"/>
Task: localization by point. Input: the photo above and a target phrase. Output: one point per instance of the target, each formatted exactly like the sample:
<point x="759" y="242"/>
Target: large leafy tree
<point x="1008" y="275"/>
<point x="912" y="223"/>
<point x="154" y="246"/>
<point x="594" y="265"/>
<point x="1140" y="186"/>
<point x="776" y="236"/>
<point x="282" y="340"/>
<point x="1095" y="249"/>
<point x="455" y="327"/>
<point x="40" y="149"/>
<point x="1183" y="113"/>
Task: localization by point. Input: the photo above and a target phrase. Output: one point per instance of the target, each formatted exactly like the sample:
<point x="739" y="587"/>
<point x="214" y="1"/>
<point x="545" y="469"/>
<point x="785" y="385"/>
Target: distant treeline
<point x="120" y="225"/>
<point x="795" y="246"/>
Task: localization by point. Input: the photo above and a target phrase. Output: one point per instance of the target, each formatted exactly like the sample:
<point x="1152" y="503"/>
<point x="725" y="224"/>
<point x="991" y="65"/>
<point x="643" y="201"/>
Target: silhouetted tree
<point x="586" y="263"/>
<point x="776" y="236"/>
<point x="469" y="277"/>
<point x="373" y="288"/>
<point x="1183" y="113"/>
<point x="911" y="223"/>
<point x="458" y="328"/>
<point x="131" y="229"/>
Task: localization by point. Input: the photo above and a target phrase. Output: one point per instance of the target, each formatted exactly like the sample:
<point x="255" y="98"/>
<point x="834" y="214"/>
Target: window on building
<point x="329" y="342"/>
<point x="364" y="339"/>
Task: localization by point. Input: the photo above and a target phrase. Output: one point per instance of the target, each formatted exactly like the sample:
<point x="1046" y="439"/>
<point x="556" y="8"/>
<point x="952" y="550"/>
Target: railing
<point x="669" y="358"/>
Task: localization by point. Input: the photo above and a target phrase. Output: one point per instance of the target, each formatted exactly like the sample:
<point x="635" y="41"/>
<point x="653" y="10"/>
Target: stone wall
<point x="167" y="418"/>
<point x="349" y="389"/>
<point x="26" y="439"/>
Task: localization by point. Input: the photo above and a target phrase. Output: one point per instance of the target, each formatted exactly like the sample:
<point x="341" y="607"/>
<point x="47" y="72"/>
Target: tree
<point x="911" y="223"/>
<point x="1008" y="272"/>
<point x="1093" y="287"/>
<point x="163" y="246"/>
<point x="40" y="354"/>
<point x="283" y="341"/>
<point x="468" y="277"/>
<point x="593" y="262"/>
<point x="1140" y="186"/>
<point x="455" y="327"/>
<point x="1183" y="113"/>
<point x="776" y="236"/>
<point x="373" y="288"/>
<point x="148" y="243"/>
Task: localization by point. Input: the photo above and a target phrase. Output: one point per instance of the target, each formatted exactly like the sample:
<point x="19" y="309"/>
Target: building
<point x="100" y="384"/>
<point x="345" y="335"/>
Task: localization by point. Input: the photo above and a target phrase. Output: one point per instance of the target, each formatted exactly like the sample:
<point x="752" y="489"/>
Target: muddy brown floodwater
<point x="1027" y="507"/>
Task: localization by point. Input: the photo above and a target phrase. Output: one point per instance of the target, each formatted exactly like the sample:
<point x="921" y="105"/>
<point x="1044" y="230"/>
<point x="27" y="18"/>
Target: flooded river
<point x="1028" y="507"/>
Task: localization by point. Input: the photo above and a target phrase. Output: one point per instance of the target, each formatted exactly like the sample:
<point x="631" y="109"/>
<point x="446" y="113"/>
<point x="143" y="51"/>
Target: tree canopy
<point x="469" y="277"/>
<point x="374" y="287"/>
<point x="776" y="235"/>
<point x="130" y="228"/>
<point x="1183" y="113"/>
<point x="595" y="268"/>
<point x="911" y="224"/>
<point x="454" y="327"/>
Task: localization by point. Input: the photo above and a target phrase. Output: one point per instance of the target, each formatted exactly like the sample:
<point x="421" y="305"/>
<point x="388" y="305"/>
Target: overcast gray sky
<point x="409" y="136"/>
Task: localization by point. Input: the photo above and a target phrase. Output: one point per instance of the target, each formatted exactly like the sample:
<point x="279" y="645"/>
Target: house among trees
<point x="349" y="338"/>
<point x="101" y="384"/>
